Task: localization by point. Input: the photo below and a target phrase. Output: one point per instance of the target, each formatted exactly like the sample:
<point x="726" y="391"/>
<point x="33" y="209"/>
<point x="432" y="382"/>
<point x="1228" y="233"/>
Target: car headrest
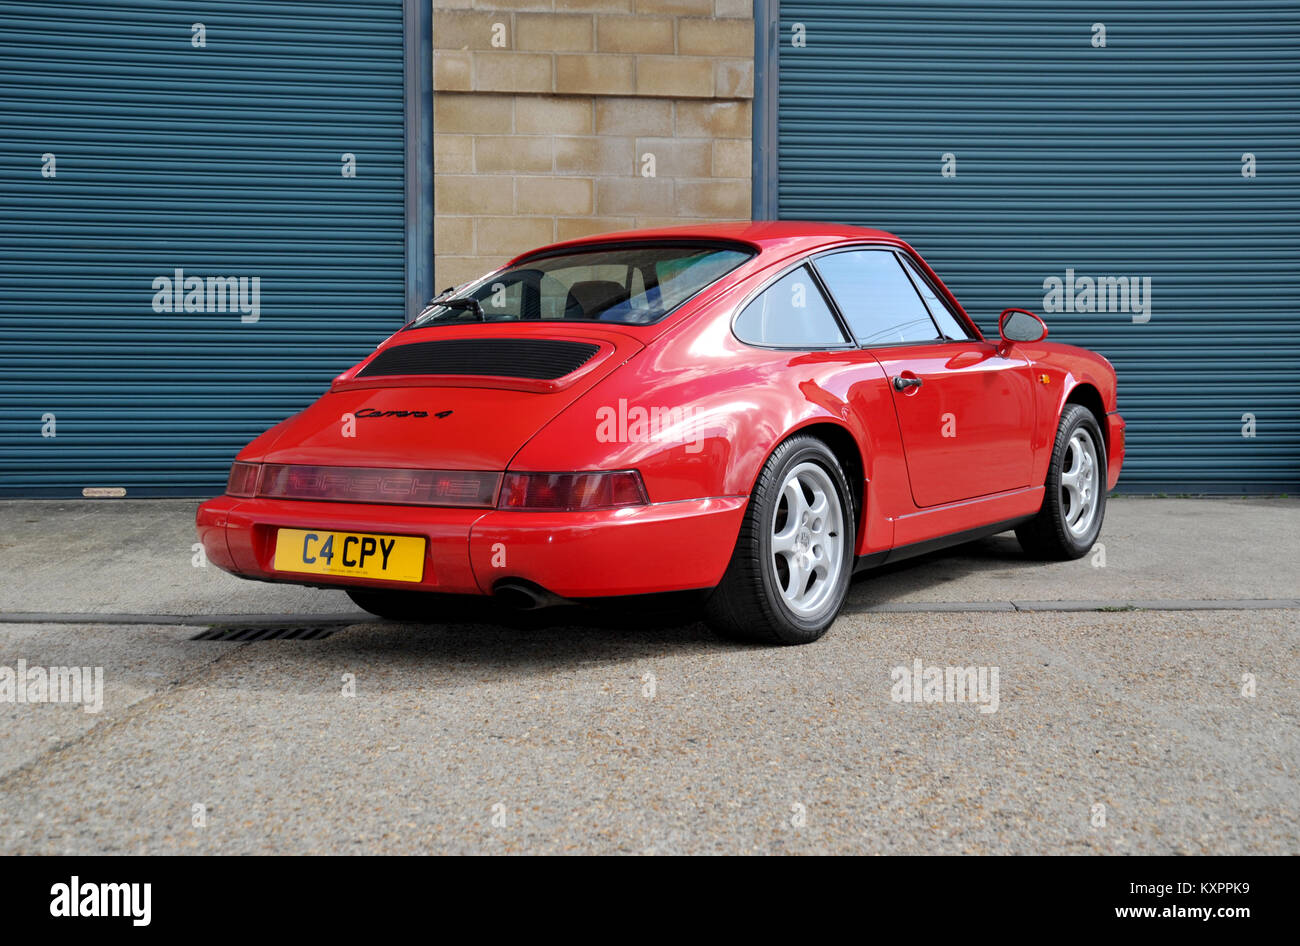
<point x="588" y="299"/>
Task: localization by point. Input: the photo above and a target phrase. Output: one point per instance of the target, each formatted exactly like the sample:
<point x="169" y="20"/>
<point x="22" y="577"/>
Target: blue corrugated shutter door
<point x="1128" y="159"/>
<point x="136" y="143"/>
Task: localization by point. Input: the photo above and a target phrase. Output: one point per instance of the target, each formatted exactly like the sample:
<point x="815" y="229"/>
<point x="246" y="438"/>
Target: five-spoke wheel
<point x="807" y="538"/>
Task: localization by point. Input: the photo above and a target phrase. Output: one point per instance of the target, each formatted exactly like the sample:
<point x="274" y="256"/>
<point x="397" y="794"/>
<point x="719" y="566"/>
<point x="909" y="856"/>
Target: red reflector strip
<point x="354" y="484"/>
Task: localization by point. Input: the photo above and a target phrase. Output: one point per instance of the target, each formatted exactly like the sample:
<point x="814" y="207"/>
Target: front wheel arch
<point x="1086" y="395"/>
<point x="1050" y="534"/>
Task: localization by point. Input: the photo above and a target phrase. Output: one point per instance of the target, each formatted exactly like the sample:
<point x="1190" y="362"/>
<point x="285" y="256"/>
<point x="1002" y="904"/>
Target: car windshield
<point x="630" y="284"/>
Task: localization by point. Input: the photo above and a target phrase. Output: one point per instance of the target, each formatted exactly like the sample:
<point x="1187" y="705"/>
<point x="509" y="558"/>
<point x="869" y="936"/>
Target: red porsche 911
<point x="751" y="411"/>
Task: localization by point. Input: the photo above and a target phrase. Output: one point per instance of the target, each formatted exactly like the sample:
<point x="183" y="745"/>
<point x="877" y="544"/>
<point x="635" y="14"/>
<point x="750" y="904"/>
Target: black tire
<point x="418" y="607"/>
<point x="748" y="605"/>
<point x="1048" y="535"/>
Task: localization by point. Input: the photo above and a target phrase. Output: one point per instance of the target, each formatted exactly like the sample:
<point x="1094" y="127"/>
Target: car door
<point x="965" y="413"/>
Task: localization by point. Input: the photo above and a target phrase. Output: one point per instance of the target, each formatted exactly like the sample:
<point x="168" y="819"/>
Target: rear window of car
<point x="629" y="284"/>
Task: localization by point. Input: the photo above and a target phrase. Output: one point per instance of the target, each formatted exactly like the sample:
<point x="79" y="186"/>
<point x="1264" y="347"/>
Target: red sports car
<point x="752" y="411"/>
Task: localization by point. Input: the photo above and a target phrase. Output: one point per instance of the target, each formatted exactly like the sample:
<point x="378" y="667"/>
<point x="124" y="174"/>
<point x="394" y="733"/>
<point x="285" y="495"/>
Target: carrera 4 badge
<point x="371" y="412"/>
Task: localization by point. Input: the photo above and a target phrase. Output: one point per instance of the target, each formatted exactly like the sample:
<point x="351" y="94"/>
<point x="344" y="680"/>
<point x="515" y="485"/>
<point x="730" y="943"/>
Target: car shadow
<point x="891" y="582"/>
<point x="536" y="644"/>
<point x="551" y="639"/>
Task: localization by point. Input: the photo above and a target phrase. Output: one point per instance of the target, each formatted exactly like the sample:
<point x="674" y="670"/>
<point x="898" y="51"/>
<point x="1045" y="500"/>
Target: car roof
<point x="780" y="236"/>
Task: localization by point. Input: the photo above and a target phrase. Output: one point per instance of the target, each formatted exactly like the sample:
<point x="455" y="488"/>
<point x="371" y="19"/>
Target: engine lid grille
<point x="542" y="359"/>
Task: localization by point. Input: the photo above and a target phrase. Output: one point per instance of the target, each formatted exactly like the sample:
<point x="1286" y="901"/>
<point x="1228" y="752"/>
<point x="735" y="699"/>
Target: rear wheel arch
<point x="844" y="445"/>
<point x="841" y="442"/>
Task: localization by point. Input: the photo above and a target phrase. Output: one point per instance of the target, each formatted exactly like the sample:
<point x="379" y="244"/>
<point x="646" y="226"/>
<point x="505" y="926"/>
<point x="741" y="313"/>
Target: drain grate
<point x="264" y="632"/>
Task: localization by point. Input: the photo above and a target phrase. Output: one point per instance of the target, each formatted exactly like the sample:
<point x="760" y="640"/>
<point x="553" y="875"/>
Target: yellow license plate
<point x="353" y="554"/>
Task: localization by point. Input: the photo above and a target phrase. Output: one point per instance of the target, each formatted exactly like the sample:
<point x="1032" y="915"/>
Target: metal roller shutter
<point x="219" y="160"/>
<point x="1117" y="161"/>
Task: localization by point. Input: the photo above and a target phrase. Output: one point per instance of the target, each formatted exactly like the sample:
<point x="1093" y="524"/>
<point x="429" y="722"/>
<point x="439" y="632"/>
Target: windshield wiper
<point x="463" y="304"/>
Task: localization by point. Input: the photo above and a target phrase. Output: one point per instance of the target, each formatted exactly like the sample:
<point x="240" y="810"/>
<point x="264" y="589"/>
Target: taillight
<point x="570" y="491"/>
<point x="243" y="479"/>
<point x="372" y="485"/>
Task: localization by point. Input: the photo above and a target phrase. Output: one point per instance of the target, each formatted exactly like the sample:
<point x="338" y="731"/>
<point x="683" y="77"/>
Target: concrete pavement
<point x="1115" y="731"/>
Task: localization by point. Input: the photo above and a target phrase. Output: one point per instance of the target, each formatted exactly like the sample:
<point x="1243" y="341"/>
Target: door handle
<point x="902" y="384"/>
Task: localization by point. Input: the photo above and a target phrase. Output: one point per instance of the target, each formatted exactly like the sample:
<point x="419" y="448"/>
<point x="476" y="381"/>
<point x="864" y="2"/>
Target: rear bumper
<point x="1115" y="448"/>
<point x="636" y="550"/>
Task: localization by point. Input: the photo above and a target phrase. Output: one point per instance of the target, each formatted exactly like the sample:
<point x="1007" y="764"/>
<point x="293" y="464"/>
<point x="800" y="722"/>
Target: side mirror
<point x="1019" y="325"/>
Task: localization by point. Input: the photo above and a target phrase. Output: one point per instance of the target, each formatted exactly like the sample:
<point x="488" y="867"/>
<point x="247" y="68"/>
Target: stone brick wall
<point x="560" y="118"/>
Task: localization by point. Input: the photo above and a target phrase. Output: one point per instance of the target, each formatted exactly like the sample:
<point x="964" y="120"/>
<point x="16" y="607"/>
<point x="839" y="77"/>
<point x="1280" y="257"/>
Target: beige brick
<point x="453" y="270"/>
<point x="712" y="199"/>
<point x="554" y="32"/>
<point x="464" y="30"/>
<point x="633" y="195"/>
<point x="676" y="7"/>
<point x="713" y="119"/>
<point x="593" y="6"/>
<point x="572" y="228"/>
<point x="733" y="8"/>
<point x="512" y="72"/>
<point x="674" y="76"/>
<point x="453" y="154"/>
<point x="452" y="4"/>
<point x="554" y="195"/>
<point x="510" y="236"/>
<point x="478" y="114"/>
<point x="715" y="37"/>
<point x="496" y="153"/>
<point x="656" y="222"/>
<point x="677" y="157"/>
<point x="634" y="34"/>
<point x="536" y="114"/>
<point x="733" y="78"/>
<point x="732" y="157"/>
<point x="598" y="73"/>
<point x="507" y="5"/>
<point x="594" y="155"/>
<point x="624" y="116"/>
<point x="452" y="71"/>
<point x="471" y="194"/>
<point x="453" y="235"/>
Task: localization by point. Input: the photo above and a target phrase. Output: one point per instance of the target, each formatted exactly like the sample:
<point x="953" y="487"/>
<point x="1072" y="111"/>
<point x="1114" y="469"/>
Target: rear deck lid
<point x="450" y="398"/>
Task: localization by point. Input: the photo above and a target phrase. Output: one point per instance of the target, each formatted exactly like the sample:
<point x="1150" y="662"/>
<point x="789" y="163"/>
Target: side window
<point x="947" y="322"/>
<point x="790" y="313"/>
<point x="876" y="297"/>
